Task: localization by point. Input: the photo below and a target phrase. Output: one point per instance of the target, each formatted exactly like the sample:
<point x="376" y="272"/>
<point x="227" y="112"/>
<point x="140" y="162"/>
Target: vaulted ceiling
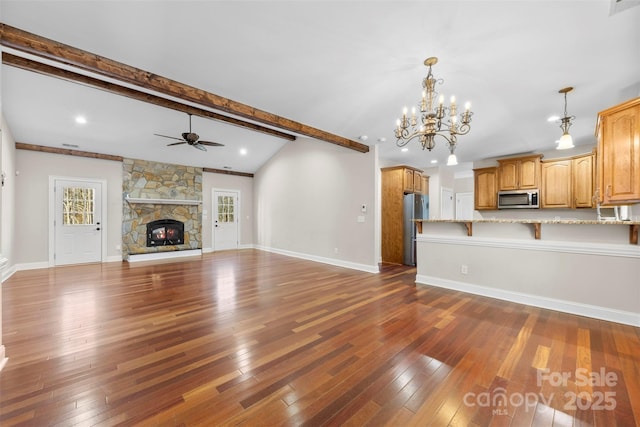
<point x="345" y="68"/>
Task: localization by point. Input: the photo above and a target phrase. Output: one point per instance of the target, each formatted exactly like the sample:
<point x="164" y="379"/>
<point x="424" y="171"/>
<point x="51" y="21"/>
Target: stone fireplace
<point x="162" y="209"/>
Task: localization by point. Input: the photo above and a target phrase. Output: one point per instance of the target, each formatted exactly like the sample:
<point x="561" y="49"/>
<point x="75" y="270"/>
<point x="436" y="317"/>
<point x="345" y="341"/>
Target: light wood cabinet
<point x="567" y="182"/>
<point x="412" y="181"/>
<point x="425" y="185"/>
<point x="618" y="153"/>
<point x="556" y="184"/>
<point x="519" y="173"/>
<point x="583" y="178"/>
<point x="396" y="181"/>
<point x="485" y="188"/>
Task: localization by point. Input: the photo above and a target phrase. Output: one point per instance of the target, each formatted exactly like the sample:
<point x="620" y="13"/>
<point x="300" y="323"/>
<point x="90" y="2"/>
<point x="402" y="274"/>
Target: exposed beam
<point x="50" y="49"/>
<point x="51" y="71"/>
<point x="66" y="151"/>
<point x="227" y="172"/>
<point x="78" y="153"/>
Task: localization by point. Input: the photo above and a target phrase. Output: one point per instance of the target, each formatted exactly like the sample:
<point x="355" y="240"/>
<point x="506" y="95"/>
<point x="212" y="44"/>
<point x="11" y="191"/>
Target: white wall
<point x="590" y="270"/>
<point x="307" y="199"/>
<point x="32" y="198"/>
<point x="7" y="197"/>
<point x="7" y="215"/>
<point x="218" y="181"/>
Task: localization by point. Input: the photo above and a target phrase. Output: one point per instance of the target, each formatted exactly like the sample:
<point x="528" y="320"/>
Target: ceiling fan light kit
<point x="192" y="139"/>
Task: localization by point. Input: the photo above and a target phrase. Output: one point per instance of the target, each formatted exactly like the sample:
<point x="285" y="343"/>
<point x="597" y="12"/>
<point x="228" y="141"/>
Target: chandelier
<point x="565" y="141"/>
<point x="435" y="120"/>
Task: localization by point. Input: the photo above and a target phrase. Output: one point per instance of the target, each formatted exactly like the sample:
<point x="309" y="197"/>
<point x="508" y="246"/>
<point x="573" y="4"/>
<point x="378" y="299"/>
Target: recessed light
<point x="69" y="145"/>
<point x="227" y="167"/>
<point x="81" y="120"/>
<point x="434" y="161"/>
<point x="363" y="137"/>
<point x="553" y="118"/>
<point x="404" y="150"/>
<point x="382" y="139"/>
<point x="243" y="151"/>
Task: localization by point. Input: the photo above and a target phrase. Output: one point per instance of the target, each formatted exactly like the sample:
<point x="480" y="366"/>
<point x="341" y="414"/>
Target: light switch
<point x="360" y="218"/>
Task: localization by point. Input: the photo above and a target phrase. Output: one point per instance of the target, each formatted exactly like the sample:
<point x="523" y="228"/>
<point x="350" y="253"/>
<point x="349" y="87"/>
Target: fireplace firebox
<point x="165" y="232"/>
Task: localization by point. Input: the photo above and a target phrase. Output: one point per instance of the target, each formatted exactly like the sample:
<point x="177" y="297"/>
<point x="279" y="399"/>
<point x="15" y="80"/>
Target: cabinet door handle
<point x="608" y="192"/>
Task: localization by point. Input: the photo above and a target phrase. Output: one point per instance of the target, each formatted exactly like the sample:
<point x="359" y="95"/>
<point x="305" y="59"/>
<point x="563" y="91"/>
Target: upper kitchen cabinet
<point x="567" y="182"/>
<point x="485" y="188"/>
<point x="618" y="155"/>
<point x="556" y="184"/>
<point x="519" y="173"/>
<point x="412" y="181"/>
<point x="583" y="177"/>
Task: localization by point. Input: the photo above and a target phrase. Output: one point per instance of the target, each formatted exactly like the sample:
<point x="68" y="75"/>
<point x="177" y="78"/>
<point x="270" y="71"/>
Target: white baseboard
<point x="597" y="312"/>
<point x="32" y="265"/>
<point x="332" y="261"/>
<point x="7" y="272"/>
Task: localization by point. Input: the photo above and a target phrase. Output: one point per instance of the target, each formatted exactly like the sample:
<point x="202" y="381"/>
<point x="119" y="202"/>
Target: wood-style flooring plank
<point x="254" y="338"/>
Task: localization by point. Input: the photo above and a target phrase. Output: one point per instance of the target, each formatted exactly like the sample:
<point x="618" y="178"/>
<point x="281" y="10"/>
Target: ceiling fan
<point x="192" y="139"/>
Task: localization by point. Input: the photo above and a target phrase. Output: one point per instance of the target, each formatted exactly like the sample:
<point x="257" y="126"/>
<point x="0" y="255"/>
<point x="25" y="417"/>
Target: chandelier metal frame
<point x="434" y="120"/>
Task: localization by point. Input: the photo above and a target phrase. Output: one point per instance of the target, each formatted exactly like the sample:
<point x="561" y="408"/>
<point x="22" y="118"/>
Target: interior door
<point x="225" y="220"/>
<point x="447" y="207"/>
<point x="464" y="205"/>
<point x="77" y="222"/>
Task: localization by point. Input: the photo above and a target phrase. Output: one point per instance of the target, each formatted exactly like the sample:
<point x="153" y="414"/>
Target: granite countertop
<point x="534" y="221"/>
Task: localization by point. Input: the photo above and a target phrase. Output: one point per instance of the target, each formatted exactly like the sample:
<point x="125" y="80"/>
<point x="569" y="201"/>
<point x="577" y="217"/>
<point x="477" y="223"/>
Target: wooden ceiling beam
<point x="88" y="154"/>
<point x="36" y="45"/>
<point x="51" y="71"/>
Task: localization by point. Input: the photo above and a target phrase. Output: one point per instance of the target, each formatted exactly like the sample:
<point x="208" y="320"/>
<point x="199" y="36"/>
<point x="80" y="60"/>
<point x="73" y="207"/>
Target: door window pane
<point x="78" y="206"/>
<point x="226" y="209"/>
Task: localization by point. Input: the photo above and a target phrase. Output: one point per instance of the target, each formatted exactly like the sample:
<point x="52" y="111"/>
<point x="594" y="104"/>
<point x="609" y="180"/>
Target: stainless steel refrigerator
<point x="415" y="206"/>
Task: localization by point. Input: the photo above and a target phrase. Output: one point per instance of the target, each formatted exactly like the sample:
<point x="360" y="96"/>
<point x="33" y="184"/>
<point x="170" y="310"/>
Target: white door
<point x="447" y="207"/>
<point x="225" y="220"/>
<point x="77" y="223"/>
<point x="464" y="205"/>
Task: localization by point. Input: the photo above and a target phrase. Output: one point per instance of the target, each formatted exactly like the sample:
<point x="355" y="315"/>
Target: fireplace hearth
<point x="164" y="232"/>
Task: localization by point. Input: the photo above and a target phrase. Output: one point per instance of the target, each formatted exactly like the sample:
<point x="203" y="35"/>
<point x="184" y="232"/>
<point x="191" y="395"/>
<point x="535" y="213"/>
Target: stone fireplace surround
<point x="153" y="191"/>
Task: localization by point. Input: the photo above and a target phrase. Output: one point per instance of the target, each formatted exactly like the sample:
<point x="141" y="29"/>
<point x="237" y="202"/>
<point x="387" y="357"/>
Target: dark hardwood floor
<point x="254" y="338"/>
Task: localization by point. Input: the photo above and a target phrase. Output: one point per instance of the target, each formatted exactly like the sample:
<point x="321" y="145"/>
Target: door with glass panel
<point x="225" y="220"/>
<point x="78" y="222"/>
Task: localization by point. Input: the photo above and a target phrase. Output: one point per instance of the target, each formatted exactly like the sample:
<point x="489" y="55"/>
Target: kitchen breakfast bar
<point x="585" y="267"/>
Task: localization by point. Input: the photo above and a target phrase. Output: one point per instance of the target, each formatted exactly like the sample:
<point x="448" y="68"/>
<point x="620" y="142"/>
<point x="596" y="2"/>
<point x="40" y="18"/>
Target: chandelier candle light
<point x="433" y="118"/>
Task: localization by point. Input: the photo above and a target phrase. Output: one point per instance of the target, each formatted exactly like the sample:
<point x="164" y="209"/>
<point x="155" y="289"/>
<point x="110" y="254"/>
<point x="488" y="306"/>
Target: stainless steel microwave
<point x="519" y="199"/>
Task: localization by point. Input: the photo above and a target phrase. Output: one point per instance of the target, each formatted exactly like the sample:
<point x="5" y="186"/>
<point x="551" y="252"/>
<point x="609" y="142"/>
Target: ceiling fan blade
<point x="212" y="144"/>
<point x="199" y="147"/>
<point x="177" y="143"/>
<point x="165" y="136"/>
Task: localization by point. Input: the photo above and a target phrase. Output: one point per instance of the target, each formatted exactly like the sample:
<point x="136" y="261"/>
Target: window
<point x="226" y="209"/>
<point x="78" y="206"/>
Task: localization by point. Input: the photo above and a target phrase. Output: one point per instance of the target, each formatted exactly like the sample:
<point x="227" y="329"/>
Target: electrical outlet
<point x="464" y="269"/>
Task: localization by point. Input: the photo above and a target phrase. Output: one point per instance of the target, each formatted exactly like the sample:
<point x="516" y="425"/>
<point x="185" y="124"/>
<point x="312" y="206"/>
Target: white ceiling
<point x="346" y="67"/>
